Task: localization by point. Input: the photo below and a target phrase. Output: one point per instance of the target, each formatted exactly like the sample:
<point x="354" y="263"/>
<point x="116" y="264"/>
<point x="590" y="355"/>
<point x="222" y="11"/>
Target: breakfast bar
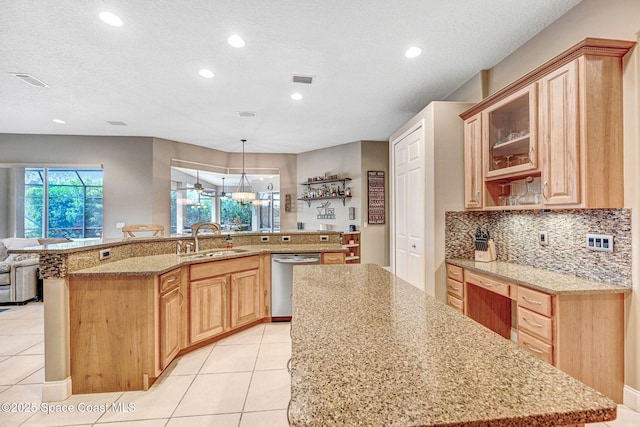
<point x="370" y="349"/>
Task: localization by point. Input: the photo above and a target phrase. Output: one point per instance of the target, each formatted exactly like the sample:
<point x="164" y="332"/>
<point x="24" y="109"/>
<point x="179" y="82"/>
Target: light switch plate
<point x="600" y="242"/>
<point x="543" y="238"/>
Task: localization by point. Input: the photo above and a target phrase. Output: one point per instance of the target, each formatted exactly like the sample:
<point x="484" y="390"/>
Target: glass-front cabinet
<point x="510" y="135"/>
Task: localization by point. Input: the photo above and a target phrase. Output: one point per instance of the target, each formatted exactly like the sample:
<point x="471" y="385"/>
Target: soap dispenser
<point x="229" y="241"/>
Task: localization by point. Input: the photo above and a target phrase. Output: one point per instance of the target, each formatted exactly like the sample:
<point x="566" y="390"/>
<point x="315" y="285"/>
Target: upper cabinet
<point x="510" y="134"/>
<point x="552" y="139"/>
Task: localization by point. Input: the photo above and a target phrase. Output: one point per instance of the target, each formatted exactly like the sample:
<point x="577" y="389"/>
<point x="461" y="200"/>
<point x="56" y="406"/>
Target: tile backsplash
<point x="516" y="237"/>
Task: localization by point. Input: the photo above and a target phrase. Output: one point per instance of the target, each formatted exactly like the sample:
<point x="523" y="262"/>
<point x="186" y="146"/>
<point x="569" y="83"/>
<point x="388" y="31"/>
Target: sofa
<point x="18" y="272"/>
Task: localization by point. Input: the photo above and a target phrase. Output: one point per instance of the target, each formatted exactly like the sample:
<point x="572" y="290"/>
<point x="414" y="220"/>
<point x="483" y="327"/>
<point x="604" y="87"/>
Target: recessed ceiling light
<point x="111" y="19"/>
<point x="206" y="73"/>
<point x="61" y="122"/>
<point x="236" y="41"/>
<point x="412" y="52"/>
<point x="296" y="96"/>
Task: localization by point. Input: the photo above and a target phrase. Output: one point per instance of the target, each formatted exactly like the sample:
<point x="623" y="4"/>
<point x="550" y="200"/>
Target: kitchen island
<point x="117" y="312"/>
<point x="370" y="349"/>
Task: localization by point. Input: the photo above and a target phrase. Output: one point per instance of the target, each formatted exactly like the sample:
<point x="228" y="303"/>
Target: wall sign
<point x="375" y="185"/>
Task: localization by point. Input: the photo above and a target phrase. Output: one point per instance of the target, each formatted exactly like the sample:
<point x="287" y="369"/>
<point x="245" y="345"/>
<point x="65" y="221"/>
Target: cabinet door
<point x="207" y="302"/>
<point x="509" y="134"/>
<point x="560" y="137"/>
<point x="245" y="298"/>
<point x="473" y="163"/>
<point x="171" y="325"/>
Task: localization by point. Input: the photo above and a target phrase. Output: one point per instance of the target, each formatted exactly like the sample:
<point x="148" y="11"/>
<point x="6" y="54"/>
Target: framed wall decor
<point x="376" y="197"/>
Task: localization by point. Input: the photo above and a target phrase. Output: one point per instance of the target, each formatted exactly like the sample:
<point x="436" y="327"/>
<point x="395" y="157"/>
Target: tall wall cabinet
<point x="552" y="139"/>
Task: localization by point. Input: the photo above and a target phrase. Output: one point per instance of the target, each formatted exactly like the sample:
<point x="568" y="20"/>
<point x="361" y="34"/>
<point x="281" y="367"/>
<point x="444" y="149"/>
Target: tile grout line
<point x="255" y="362"/>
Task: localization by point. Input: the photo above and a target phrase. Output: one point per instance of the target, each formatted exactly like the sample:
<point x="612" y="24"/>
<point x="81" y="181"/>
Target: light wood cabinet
<point x="245" y="298"/>
<point x="473" y="176"/>
<point x="223" y="295"/>
<point x="455" y="288"/>
<point x="581" y="334"/>
<point x="570" y="110"/>
<point x="351" y="242"/>
<point x="207" y="308"/>
<point x="172" y="315"/>
<point x="333" y="257"/>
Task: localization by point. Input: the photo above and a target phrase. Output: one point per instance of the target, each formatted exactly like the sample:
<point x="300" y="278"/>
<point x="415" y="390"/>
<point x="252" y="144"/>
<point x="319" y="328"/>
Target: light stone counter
<point x="370" y="349"/>
<point x="158" y="264"/>
<point x="537" y="278"/>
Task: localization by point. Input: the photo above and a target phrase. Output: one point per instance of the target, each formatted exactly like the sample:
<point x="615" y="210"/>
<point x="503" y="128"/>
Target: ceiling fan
<point x="200" y="189"/>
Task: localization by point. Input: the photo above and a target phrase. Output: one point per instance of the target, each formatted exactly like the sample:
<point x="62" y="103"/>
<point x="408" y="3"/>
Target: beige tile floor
<point x="240" y="381"/>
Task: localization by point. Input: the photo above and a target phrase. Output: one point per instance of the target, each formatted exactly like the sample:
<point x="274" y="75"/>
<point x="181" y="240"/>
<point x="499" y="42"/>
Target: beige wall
<point x="137" y="171"/>
<point x="375" y="237"/>
<point x="342" y="160"/>
<point x="127" y="163"/>
<point x="618" y="19"/>
<point x="165" y="150"/>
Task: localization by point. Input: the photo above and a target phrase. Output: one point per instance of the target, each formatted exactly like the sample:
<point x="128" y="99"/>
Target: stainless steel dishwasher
<point x="282" y="282"/>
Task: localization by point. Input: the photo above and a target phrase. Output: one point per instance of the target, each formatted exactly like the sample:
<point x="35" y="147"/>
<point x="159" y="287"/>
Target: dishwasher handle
<point x="297" y="261"/>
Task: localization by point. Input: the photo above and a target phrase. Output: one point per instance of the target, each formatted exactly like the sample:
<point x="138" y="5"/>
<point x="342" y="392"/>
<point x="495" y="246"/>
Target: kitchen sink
<point x="214" y="253"/>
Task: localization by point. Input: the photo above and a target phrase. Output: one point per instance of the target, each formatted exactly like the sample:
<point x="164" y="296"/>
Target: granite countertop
<point x="370" y="349"/>
<point x="537" y="278"/>
<point x="158" y="264"/>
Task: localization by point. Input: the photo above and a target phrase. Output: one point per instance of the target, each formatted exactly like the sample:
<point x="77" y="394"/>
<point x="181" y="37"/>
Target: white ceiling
<point x="145" y="73"/>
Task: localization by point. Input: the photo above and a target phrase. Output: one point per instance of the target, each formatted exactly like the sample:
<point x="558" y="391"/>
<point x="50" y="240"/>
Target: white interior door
<point x="400" y="210"/>
<point x="409" y="208"/>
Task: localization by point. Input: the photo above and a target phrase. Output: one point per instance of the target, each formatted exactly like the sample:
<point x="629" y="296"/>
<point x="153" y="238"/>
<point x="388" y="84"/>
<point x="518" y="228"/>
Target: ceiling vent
<point x="303" y="79"/>
<point x="116" y="123"/>
<point x="30" y="80"/>
<point x="246" y="114"/>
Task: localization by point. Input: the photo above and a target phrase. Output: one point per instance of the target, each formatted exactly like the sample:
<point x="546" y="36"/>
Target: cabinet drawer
<point x="455" y="303"/>
<point x="536" y="324"/>
<point x="533" y="345"/>
<point x="169" y="280"/>
<point x="333" y="258"/>
<point x="488" y="283"/>
<point x="534" y="300"/>
<point x="454" y="272"/>
<point x="455" y="288"/>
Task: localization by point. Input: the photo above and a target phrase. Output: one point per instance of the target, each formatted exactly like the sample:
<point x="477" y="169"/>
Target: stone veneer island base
<point x="370" y="349"/>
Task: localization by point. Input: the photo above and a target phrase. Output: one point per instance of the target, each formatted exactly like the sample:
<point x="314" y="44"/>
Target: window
<point x="63" y="202"/>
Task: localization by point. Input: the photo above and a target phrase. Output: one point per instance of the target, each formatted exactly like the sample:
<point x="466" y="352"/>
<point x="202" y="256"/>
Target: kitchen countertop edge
<point x="544" y="280"/>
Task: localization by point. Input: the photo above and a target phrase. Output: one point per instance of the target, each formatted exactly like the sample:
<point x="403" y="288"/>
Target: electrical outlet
<point x="324" y="238"/>
<point x="600" y="242"/>
<point x="264" y="238"/>
<point x="105" y="253"/>
<point x="543" y="238"/>
<point x="119" y="225"/>
<point x="286" y="238"/>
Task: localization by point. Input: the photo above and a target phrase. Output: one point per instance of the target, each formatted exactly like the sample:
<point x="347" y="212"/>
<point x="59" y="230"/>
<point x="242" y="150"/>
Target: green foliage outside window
<point x="235" y="215"/>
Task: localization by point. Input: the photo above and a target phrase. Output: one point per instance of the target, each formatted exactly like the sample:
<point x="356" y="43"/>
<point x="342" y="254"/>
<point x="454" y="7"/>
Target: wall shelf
<point x="310" y="199"/>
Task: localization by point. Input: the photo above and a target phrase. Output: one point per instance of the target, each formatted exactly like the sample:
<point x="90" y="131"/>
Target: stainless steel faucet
<point x="195" y="228"/>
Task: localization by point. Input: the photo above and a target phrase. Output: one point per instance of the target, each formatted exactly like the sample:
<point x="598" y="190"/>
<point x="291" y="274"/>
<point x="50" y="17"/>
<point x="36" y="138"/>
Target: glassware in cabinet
<point x="510" y="134"/>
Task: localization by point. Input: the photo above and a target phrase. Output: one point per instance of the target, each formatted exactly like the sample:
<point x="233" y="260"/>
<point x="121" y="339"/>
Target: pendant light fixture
<point x="243" y="194"/>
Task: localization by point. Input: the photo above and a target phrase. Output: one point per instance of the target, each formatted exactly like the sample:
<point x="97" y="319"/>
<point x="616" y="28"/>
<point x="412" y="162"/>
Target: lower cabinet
<point x="173" y="315"/>
<point x="208" y="308"/>
<point x="125" y="330"/>
<point x="580" y="334"/>
<point x="333" y="258"/>
<point x="245" y="298"/>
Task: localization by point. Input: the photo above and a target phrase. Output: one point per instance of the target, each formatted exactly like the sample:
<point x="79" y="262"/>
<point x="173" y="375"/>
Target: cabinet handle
<point x="532" y="348"/>
<point x="530" y="301"/>
<point x="181" y="298"/>
<point x="454" y="288"/>
<point x="289" y="413"/>
<point x="488" y="285"/>
<point x="289" y="366"/>
<point x="454" y="273"/>
<point x="544" y="193"/>
<point x="171" y="279"/>
<point x="534" y="324"/>
<point x="477" y="196"/>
